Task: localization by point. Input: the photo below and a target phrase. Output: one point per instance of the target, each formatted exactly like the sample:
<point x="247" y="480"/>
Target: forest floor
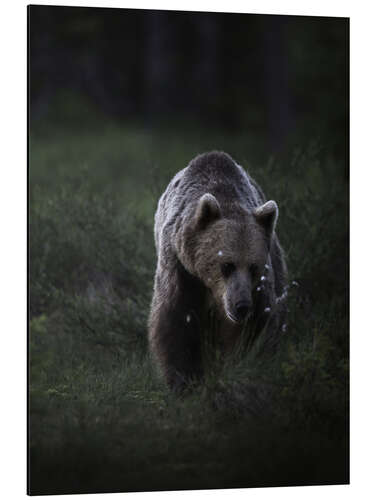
<point x="101" y="419"/>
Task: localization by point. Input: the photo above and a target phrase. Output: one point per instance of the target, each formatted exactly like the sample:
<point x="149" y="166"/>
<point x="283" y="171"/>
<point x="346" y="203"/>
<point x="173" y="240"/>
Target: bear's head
<point x="230" y="254"/>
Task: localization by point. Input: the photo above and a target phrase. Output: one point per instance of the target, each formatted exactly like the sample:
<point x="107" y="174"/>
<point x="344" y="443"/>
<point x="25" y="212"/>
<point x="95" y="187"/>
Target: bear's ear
<point x="267" y="215"/>
<point x="207" y="211"/>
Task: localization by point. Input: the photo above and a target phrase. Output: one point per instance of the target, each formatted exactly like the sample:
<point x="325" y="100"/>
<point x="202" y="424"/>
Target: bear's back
<point x="217" y="173"/>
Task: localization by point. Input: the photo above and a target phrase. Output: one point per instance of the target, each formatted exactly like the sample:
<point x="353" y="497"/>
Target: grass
<point x="100" y="417"/>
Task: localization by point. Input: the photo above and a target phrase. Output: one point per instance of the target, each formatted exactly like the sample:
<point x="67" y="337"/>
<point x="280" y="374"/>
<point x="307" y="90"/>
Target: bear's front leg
<point x="174" y="326"/>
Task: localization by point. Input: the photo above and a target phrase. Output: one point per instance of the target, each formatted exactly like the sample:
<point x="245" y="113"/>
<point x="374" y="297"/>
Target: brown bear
<point x="217" y="253"/>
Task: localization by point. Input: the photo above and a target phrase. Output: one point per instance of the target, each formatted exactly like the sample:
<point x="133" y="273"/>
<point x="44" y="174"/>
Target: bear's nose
<point x="242" y="309"/>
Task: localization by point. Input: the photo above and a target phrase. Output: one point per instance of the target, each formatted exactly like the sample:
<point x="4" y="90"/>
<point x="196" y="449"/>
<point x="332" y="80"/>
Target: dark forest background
<point x="271" y="75"/>
<point x="119" y="101"/>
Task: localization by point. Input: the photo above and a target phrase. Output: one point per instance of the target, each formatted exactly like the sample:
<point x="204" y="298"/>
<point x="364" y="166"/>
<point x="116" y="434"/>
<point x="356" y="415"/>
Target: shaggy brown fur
<point x="217" y="250"/>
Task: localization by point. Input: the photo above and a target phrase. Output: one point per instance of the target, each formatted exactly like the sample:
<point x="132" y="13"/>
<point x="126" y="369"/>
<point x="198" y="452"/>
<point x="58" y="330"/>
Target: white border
<point x="13" y="240"/>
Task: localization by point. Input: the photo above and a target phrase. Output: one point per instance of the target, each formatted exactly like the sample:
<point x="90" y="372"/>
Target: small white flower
<point x="259" y="288"/>
<point x="267" y="310"/>
<point x="294" y="283"/>
<point x="283" y="328"/>
<point x="188" y="318"/>
<point x="282" y="297"/>
<point x="220" y="253"/>
<point x="263" y="278"/>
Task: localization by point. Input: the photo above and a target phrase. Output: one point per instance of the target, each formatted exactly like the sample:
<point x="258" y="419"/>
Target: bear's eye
<point x="227" y="269"/>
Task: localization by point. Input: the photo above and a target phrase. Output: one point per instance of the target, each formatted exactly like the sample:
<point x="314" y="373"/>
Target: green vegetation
<point x="100" y="417"/>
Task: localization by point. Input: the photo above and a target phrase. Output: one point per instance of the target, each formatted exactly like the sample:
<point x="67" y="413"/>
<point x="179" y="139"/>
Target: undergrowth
<point x="101" y="419"/>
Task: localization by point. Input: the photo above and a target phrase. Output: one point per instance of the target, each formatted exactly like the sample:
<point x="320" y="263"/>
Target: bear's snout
<point x="242" y="310"/>
<point x="239" y="311"/>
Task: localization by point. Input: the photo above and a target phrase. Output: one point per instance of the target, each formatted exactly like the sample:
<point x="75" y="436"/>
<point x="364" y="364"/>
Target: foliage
<point x="100" y="417"/>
